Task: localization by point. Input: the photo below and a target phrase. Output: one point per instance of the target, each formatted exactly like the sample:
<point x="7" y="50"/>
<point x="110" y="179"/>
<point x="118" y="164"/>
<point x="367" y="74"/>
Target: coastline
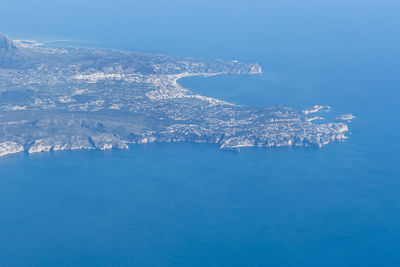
<point x="118" y="99"/>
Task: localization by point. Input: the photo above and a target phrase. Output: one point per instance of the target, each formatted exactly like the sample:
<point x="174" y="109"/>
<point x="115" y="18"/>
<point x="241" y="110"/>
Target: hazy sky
<point x="285" y="29"/>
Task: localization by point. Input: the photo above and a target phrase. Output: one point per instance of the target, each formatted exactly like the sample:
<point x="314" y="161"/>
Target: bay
<point x="189" y="204"/>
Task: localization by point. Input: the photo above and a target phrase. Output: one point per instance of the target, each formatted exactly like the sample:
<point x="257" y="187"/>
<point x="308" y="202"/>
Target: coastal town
<point x="78" y="98"/>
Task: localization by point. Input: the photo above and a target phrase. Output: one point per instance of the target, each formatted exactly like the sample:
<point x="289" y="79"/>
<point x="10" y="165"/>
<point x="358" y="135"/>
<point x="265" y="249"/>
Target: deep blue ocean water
<point x="192" y="204"/>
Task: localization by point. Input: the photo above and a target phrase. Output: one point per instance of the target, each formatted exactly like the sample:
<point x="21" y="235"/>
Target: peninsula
<point x="79" y="98"/>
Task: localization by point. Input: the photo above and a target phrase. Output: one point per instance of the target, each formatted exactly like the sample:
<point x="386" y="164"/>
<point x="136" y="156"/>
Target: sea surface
<point x="183" y="204"/>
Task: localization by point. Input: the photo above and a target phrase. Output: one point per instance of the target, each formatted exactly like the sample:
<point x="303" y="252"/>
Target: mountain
<point x="9" y="53"/>
<point x="6" y="44"/>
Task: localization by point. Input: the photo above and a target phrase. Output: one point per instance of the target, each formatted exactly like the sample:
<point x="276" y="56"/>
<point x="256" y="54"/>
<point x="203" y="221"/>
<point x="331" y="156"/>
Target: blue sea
<point x="189" y="204"/>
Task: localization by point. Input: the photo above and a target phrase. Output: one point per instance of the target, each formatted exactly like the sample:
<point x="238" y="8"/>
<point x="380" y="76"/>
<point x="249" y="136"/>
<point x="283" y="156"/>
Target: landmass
<point x="80" y="98"/>
<point x="345" y="117"/>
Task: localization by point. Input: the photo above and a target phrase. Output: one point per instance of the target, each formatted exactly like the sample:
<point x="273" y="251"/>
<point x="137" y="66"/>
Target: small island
<point x="78" y="98"/>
